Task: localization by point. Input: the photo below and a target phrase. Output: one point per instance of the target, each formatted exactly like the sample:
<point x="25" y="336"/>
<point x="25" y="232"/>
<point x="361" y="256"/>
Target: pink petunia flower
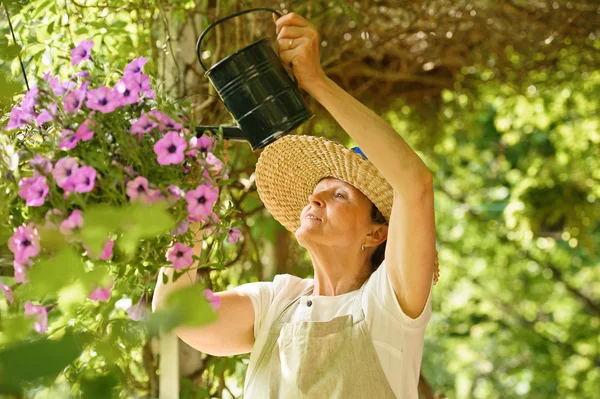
<point x="181" y="228"/>
<point x="201" y="201"/>
<point x="137" y="188"/>
<point x="7" y="293"/>
<point x="68" y="140"/>
<point x="41" y="325"/>
<point x="59" y="88"/>
<point x="82" y="52"/>
<point x="84" y="131"/>
<point x="30" y="101"/>
<point x="138" y="311"/>
<point x="215" y="164"/>
<point x="180" y="256"/>
<point x="17" y="119"/>
<point x="233" y="235"/>
<point x="20" y="269"/>
<point x="25" y="243"/>
<point x="143" y="125"/>
<point x="84" y="179"/>
<point x="47" y="115"/>
<point x="34" y="190"/>
<point x="135" y="66"/>
<point x="74" y="100"/>
<point x="128" y="91"/>
<point x="144" y="83"/>
<point x="74" y="221"/>
<point x="102" y="99"/>
<point x="63" y="171"/>
<point x="101" y="294"/>
<point x="170" y="149"/>
<point x="203" y="144"/>
<point x="214" y="300"/>
<point x="164" y="122"/>
<point x="107" y="251"/>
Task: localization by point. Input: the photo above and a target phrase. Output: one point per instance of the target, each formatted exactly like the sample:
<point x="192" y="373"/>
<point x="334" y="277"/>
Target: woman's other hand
<point x="298" y="42"/>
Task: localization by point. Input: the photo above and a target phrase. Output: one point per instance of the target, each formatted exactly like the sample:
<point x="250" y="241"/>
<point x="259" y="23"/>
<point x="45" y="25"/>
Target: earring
<point x="363" y="246"/>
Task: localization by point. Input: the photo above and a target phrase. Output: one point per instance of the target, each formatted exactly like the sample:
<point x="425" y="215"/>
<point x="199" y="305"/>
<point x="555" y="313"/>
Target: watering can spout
<point x="229" y="132"/>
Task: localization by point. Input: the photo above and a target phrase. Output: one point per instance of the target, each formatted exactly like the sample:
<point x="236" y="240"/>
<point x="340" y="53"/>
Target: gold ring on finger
<point x="291" y="42"/>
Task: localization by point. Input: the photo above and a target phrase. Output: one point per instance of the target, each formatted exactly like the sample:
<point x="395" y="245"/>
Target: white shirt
<point x="398" y="339"/>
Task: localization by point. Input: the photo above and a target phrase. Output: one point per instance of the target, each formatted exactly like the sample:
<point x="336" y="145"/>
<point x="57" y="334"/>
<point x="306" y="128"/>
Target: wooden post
<point x="168" y="366"/>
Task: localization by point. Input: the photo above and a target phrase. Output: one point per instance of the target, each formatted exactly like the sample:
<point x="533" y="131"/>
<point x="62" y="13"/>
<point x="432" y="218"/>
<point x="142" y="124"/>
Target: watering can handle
<point x="236" y="14"/>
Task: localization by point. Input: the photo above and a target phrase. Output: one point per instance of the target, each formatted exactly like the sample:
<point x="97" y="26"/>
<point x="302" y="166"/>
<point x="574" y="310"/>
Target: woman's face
<point x="344" y="213"/>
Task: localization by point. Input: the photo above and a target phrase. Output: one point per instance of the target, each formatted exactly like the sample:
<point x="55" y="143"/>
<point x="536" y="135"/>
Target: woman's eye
<point x="340" y="195"/>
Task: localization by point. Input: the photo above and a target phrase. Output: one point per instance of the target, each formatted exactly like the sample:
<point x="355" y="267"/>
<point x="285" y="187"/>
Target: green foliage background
<point x="510" y="130"/>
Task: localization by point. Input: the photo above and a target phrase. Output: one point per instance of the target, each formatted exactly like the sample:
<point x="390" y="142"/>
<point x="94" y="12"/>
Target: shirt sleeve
<point x="379" y="289"/>
<point x="262" y="295"/>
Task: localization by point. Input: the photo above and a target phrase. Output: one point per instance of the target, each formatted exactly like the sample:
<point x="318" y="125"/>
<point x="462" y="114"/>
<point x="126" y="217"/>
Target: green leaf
<point x="187" y="306"/>
<point x="25" y="363"/>
<point x="50" y="275"/>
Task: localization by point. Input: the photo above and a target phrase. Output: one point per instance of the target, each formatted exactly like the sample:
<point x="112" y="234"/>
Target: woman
<point x="355" y="330"/>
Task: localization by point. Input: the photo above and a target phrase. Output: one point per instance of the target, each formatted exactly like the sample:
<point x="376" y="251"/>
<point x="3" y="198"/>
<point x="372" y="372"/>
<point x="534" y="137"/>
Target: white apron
<point x="319" y="360"/>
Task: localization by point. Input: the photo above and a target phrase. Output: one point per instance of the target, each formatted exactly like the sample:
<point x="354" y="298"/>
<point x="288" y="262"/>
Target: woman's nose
<point x="313" y="199"/>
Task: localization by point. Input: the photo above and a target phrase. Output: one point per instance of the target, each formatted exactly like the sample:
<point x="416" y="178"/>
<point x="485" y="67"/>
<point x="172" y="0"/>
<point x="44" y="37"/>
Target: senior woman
<point x="356" y="330"/>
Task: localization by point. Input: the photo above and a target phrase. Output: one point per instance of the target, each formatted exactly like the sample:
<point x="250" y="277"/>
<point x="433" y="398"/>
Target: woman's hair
<point x="379" y="254"/>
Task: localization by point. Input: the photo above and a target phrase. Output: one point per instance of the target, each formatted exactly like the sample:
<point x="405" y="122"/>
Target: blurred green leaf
<point x="25" y="363"/>
<point x="50" y="275"/>
<point x="187" y="306"/>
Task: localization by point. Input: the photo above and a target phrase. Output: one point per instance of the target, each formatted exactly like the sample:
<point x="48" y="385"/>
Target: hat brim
<point x="288" y="170"/>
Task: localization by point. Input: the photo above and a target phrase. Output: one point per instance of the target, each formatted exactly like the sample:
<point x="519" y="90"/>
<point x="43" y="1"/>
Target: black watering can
<point x="257" y="91"/>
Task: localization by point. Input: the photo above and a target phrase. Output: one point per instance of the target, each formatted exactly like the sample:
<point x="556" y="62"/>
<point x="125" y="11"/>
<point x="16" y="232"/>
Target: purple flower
<point x="47" y="115"/>
<point x="214" y="300"/>
<point x="201" y="201"/>
<point x="63" y="171"/>
<point x="138" y="311"/>
<point x="128" y="91"/>
<point x="25" y="243"/>
<point x="138" y="188"/>
<point x="84" y="131"/>
<point x="30" y="101"/>
<point x="84" y="179"/>
<point x="68" y="140"/>
<point x="215" y="163"/>
<point x="74" y="100"/>
<point x="61" y="88"/>
<point x="176" y="193"/>
<point x="41" y="325"/>
<point x="233" y="235"/>
<point x="20" y="271"/>
<point x="170" y="149"/>
<point x="165" y="123"/>
<point x="203" y="144"/>
<point x="74" y="221"/>
<point x="18" y="119"/>
<point x="102" y="99"/>
<point x="41" y="164"/>
<point x="135" y="66"/>
<point x="180" y="256"/>
<point x="82" y="52"/>
<point x="33" y="190"/>
<point x="107" y="251"/>
<point x="143" y="125"/>
<point x="7" y="293"/>
<point x="144" y="82"/>
<point x="101" y="294"/>
<point x="181" y="228"/>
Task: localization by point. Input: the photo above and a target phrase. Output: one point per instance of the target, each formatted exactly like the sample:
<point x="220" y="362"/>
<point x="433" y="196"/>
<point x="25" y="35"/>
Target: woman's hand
<point x="298" y="42"/>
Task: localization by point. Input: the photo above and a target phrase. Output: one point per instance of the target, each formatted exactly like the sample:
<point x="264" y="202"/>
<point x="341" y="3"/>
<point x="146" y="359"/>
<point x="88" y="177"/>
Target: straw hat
<point x="289" y="169"/>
